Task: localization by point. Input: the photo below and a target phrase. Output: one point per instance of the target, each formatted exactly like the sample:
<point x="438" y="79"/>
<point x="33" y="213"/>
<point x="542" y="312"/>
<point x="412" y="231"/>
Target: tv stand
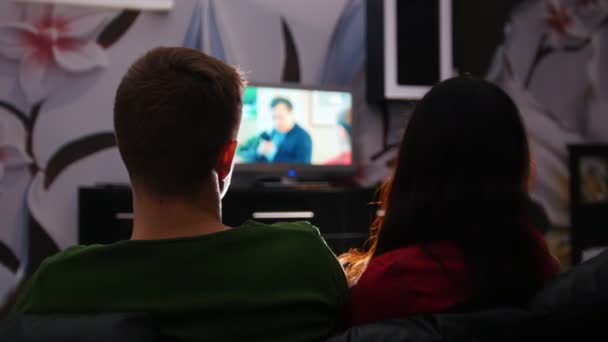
<point x="342" y="214"/>
<point x="292" y="183"/>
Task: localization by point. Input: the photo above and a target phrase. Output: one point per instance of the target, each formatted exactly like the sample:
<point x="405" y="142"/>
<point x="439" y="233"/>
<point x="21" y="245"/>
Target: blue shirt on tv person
<point x="288" y="142"/>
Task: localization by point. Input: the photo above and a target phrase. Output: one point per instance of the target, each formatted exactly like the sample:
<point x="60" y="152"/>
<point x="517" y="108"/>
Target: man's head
<point x="176" y="116"/>
<point x="282" y="114"/>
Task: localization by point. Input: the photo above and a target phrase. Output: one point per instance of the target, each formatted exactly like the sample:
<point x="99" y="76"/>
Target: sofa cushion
<point x="78" y="328"/>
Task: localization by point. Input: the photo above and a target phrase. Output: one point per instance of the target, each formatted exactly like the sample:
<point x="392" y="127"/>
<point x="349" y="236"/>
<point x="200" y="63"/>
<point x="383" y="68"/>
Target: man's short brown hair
<point x="175" y="108"/>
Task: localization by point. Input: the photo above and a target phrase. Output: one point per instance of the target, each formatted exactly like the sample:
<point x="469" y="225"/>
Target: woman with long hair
<point x="454" y="235"/>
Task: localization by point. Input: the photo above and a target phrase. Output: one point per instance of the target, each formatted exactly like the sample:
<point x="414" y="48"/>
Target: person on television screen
<point x="345" y="135"/>
<point x="288" y="142"/>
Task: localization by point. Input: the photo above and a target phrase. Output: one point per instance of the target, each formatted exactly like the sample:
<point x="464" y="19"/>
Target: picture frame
<point x="588" y="164"/>
<point x="589" y="174"/>
<point x="394" y="89"/>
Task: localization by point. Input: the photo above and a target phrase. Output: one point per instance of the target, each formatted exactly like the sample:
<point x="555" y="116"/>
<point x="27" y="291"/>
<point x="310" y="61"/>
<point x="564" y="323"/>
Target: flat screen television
<point x="295" y="132"/>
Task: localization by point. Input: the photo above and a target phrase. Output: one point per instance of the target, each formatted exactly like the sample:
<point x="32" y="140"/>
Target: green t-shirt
<point x="255" y="282"/>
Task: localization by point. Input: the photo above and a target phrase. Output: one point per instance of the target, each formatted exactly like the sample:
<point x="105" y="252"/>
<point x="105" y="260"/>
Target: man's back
<point x="255" y="283"/>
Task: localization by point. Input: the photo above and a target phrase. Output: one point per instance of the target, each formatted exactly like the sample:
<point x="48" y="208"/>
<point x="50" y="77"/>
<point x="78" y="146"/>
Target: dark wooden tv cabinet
<point x="343" y="215"/>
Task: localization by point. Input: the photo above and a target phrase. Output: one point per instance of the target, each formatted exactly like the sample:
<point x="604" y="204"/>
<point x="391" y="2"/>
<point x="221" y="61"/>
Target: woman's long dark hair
<point x="461" y="176"/>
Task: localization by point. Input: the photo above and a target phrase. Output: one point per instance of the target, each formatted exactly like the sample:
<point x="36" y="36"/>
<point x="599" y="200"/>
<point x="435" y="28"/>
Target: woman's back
<point x="409" y="281"/>
<point x="462" y="178"/>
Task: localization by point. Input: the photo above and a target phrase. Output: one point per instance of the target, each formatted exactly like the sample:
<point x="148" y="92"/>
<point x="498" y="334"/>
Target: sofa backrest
<point x="573" y="307"/>
<point x="79" y="328"/>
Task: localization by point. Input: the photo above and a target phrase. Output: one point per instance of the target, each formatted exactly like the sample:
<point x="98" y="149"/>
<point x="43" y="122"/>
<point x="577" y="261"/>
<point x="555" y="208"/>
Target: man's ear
<point x="224" y="163"/>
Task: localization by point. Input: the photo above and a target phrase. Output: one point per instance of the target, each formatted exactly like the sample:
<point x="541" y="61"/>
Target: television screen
<point x="283" y="125"/>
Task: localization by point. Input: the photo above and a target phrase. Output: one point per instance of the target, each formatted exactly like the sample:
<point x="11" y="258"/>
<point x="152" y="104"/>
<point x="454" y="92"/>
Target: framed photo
<point x="409" y="47"/>
<point x="593" y="180"/>
<point x="589" y="174"/>
<point x="588" y="200"/>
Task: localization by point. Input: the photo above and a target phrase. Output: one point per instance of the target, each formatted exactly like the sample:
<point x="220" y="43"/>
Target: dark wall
<point x="478" y="30"/>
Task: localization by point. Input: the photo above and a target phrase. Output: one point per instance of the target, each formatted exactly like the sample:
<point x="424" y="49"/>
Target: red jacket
<point x="410" y="281"/>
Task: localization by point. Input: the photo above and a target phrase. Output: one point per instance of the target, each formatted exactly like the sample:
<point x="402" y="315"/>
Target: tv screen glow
<point x="291" y="126"/>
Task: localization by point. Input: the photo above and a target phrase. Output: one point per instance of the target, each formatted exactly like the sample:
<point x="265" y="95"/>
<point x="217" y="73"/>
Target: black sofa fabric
<point x="573" y="308"/>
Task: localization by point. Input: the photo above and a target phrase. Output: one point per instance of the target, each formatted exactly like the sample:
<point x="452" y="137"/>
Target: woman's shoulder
<point x="415" y="267"/>
<point x="415" y="279"/>
<point x="419" y="256"/>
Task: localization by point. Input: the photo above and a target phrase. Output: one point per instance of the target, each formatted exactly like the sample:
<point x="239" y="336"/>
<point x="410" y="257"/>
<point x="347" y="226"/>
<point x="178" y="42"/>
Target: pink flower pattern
<point x="563" y="28"/>
<point x="569" y="24"/>
<point x="12" y="145"/>
<point x="49" y="38"/>
<point x="11" y="157"/>
<point x="591" y="13"/>
<point x="558" y="18"/>
<point x="48" y="44"/>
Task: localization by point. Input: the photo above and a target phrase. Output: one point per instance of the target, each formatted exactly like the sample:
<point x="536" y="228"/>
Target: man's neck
<point x="162" y="218"/>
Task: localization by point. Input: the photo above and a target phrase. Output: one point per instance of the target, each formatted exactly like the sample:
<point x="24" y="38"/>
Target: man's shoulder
<point x="298" y="131"/>
<point x="302" y="239"/>
<point x="70" y="256"/>
<point x="298" y="243"/>
<point x="55" y="271"/>
<point x="292" y="229"/>
<point x="58" y="258"/>
<point x="75" y="253"/>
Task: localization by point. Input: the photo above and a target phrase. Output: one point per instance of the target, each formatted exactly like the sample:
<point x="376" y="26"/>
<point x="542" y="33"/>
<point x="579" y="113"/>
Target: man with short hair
<point x="288" y="142"/>
<point x="176" y="116"/>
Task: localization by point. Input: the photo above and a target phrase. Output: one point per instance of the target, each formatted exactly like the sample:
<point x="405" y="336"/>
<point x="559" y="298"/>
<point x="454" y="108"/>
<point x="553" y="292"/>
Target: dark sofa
<point x="573" y="308"/>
